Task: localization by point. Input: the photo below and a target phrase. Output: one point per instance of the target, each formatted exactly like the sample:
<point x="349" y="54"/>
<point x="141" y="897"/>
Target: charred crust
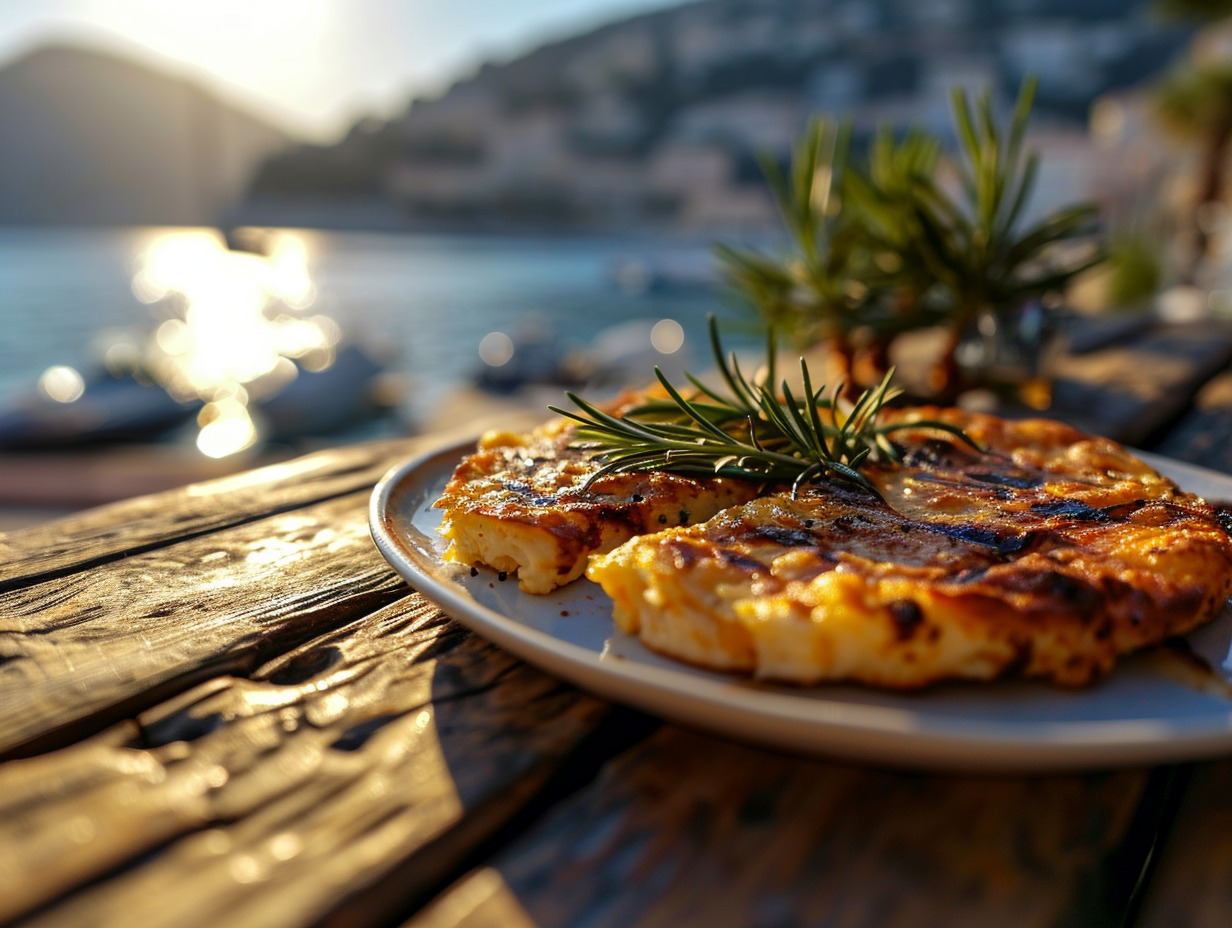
<point x="780" y="535"/>
<point x="1223" y="515"/>
<point x="1017" y="481"/>
<point x="1019" y="544"/>
<point x="1001" y="540"/>
<point x="1071" y="593"/>
<point x="907" y="618"/>
<point x="1073" y="509"/>
<point x="741" y="561"/>
<point x="1024" y="652"/>
<point x="529" y="495"/>
<point x="932" y="452"/>
<point x="683" y="554"/>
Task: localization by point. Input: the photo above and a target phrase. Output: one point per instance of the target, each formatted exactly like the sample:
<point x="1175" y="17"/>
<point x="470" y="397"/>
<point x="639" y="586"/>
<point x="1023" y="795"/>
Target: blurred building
<point x="658" y="120"/>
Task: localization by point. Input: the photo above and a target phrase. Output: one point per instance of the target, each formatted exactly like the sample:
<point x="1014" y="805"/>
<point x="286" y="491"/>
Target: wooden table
<point x="220" y="706"/>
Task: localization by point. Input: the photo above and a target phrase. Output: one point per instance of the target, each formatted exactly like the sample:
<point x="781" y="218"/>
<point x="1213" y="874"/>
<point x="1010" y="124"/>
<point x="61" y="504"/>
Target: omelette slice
<point x="1047" y="556"/>
<point x="520" y="503"/>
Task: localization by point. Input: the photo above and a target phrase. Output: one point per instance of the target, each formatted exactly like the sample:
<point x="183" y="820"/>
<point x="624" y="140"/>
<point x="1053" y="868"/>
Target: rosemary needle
<point x="750" y="433"/>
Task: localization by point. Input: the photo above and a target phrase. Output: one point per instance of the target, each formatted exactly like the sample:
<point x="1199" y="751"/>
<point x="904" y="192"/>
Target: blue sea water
<point x="426" y="300"/>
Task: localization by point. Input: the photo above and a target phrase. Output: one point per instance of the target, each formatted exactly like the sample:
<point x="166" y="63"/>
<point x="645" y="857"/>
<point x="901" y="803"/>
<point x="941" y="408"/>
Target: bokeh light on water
<point x="62" y="383"/>
<point x="234" y="327"/>
<point x="667" y="336"/>
<point x="418" y="304"/>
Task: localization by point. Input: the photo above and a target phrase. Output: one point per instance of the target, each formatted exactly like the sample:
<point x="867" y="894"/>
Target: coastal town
<point x="659" y="121"/>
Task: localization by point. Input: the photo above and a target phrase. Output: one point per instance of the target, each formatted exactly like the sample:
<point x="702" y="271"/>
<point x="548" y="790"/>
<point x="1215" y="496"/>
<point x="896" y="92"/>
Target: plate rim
<point x="780" y="720"/>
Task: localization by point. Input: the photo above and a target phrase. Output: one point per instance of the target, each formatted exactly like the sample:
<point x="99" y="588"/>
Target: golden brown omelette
<point x="1047" y="554"/>
<point x="520" y="503"/>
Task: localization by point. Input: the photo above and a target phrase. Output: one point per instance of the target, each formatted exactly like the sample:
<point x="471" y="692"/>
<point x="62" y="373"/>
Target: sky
<point x="311" y="66"/>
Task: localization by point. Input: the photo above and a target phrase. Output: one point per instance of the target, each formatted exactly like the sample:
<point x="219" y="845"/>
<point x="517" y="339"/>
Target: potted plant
<point x="884" y="246"/>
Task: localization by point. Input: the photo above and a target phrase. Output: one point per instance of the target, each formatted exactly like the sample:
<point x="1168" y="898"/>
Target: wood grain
<point x="693" y="830"/>
<point x="343" y="781"/>
<point x="1190" y="887"/>
<point x="1133" y="391"/>
<point x="82" y="651"/>
<point x="244" y="718"/>
<point x="137" y="525"/>
<point x="1204" y="435"/>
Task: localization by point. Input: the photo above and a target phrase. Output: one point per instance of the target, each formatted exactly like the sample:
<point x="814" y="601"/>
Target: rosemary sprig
<point x="749" y="433"/>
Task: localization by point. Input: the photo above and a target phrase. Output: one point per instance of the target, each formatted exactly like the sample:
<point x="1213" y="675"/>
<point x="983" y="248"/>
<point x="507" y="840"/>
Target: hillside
<point x="657" y="120"/>
<point x="93" y="139"/>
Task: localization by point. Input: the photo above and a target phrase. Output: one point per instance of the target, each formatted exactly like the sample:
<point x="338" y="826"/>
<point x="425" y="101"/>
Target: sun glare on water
<point x="234" y="329"/>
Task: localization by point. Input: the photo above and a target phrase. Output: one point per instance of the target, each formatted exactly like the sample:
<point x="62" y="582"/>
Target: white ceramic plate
<point x="1153" y="708"/>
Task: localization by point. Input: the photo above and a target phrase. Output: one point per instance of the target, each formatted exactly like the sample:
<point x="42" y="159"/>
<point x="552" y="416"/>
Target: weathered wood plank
<point x="85" y="650"/>
<point x="1133" y="391"/>
<point x="687" y="829"/>
<point x="1128" y="386"/>
<point x="147" y="522"/>
<point x="1191" y="886"/>
<point x="1204" y="436"/>
<point x="89" y="476"/>
<point x="480" y="900"/>
<point x="344" y="780"/>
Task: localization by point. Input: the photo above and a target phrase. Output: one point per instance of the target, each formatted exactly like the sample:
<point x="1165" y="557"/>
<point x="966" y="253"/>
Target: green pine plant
<point x="817" y="292"/>
<point x="883" y="245"/>
<point x="879" y="196"/>
<point x="975" y="242"/>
